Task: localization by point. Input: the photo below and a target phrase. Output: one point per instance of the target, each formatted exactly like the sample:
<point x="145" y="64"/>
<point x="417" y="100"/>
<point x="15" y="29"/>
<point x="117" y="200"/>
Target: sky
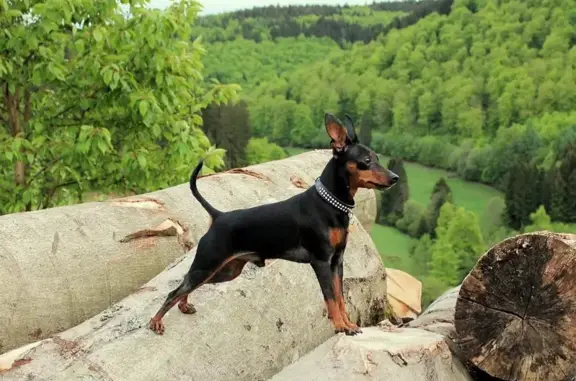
<point x="217" y="6"/>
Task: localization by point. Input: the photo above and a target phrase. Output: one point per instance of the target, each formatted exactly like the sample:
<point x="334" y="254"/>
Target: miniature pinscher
<point x="311" y="227"/>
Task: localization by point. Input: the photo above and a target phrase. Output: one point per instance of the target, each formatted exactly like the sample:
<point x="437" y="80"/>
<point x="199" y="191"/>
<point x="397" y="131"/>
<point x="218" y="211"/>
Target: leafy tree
<point x="466" y="238"/>
<point x="260" y="150"/>
<point x="540" y="220"/>
<point x="228" y="126"/>
<point x="411" y="221"/>
<point x="492" y="221"/>
<point x="393" y="199"/>
<point x="420" y="254"/>
<point x="563" y="192"/>
<point x="458" y="245"/>
<point x="432" y="288"/>
<point x="523" y="194"/>
<point x="444" y="263"/>
<point x="366" y="125"/>
<point x="112" y="105"/>
<point x="441" y="194"/>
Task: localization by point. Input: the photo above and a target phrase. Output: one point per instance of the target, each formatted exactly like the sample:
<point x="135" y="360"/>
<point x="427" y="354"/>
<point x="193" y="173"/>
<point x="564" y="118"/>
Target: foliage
<point x="412" y="220"/>
<point x="340" y="23"/>
<point x="392" y="200"/>
<point x="252" y="64"/>
<point x="366" y="126"/>
<point x="492" y="223"/>
<point x="523" y="194"/>
<point x="260" y="150"/>
<point x="540" y="220"/>
<point x="420" y="254"/>
<point x="92" y="99"/>
<point x="563" y="185"/>
<point x="458" y="245"/>
<point x="455" y="91"/>
<point x="228" y="126"/>
<point x="444" y="263"/>
<point x="441" y="194"/>
<point x="432" y="288"/>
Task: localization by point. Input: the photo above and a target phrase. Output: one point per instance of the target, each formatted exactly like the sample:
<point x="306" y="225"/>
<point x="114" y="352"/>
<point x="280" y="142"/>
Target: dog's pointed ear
<point x="350" y="130"/>
<point x="336" y="131"/>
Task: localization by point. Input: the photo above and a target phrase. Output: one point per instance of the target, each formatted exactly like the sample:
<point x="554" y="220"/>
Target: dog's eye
<point x="367" y="159"/>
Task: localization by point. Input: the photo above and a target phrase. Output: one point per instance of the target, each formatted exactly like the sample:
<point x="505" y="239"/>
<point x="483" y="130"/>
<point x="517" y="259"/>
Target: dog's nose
<point x="394" y="179"/>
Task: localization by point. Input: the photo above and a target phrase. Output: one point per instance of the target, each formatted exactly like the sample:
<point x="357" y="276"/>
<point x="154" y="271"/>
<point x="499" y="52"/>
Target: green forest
<point x="482" y="91"/>
<point x="472" y="102"/>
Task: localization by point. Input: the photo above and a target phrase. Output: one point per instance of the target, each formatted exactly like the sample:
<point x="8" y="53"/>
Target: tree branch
<point x="52" y="191"/>
<point x="27" y="106"/>
<point x="49" y="165"/>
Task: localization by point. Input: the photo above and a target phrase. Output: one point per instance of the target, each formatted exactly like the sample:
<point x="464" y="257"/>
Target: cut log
<point x="60" y="266"/>
<point x="405" y="354"/>
<point x="404" y="294"/>
<point x="515" y="316"/>
<point x="245" y="330"/>
<point x="438" y="317"/>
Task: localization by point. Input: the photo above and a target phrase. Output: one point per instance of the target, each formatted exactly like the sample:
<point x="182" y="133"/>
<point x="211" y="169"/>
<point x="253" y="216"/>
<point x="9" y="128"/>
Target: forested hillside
<point x="340" y="23"/>
<point x="477" y="91"/>
<point x="485" y="89"/>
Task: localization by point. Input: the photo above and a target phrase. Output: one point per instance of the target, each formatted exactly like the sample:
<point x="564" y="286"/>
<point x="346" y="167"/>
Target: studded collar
<point x="331" y="199"/>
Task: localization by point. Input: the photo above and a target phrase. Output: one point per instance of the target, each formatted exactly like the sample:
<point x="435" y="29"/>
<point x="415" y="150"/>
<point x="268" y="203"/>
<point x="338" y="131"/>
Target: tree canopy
<point x="99" y="96"/>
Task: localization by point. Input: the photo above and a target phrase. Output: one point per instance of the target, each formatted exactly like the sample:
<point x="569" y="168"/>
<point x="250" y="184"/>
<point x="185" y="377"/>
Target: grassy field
<point x="469" y="195"/>
<point x="392" y="244"/>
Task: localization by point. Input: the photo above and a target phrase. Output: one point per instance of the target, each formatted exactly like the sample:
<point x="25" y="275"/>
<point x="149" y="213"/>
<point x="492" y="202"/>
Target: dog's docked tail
<point x="213" y="212"/>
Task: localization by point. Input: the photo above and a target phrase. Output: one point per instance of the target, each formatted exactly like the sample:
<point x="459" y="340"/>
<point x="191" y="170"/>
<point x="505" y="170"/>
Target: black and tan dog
<point x="311" y="227"/>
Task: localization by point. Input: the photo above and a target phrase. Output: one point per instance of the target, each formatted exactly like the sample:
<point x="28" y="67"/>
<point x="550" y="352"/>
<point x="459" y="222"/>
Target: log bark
<point x="63" y="265"/>
<point x="438" y="317"/>
<point x="516" y="311"/>
<point x="244" y="330"/>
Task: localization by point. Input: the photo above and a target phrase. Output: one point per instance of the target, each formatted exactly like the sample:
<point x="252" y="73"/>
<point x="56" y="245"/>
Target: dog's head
<point x="362" y="164"/>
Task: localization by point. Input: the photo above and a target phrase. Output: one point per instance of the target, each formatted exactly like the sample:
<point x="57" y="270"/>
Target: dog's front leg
<point x="337" y="276"/>
<point x="324" y="274"/>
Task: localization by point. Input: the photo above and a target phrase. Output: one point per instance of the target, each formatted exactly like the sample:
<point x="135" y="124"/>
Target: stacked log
<point x="244" y="330"/>
<point x="513" y="317"/>
<point x="61" y="266"/>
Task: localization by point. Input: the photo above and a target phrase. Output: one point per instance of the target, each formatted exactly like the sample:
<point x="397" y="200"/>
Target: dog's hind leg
<point x="193" y="280"/>
<point x="225" y="271"/>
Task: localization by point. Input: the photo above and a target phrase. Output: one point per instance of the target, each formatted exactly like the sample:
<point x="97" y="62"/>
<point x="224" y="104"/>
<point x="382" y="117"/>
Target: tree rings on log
<point x="515" y="315"/>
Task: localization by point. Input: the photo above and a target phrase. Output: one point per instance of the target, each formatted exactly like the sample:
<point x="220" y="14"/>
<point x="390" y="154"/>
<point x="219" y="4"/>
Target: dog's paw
<point x="353" y="329"/>
<point x="157" y="326"/>
<point x="187" y="308"/>
<point x="348" y="330"/>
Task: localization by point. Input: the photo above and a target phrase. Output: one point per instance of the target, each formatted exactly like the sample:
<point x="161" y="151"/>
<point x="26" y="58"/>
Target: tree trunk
<point x="12" y="106"/>
<point x="245" y="330"/>
<point x="513" y="316"/>
<point x="516" y="311"/>
<point x="60" y="266"/>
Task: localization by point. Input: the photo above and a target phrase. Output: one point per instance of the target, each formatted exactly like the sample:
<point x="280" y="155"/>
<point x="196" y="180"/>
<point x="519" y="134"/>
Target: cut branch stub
<point x="516" y="311"/>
